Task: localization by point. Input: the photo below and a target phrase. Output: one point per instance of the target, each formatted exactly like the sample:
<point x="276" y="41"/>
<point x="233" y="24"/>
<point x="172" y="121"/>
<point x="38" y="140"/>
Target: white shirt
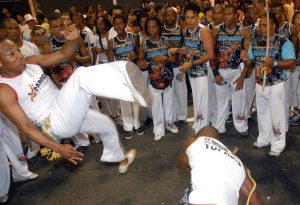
<point x="102" y="57"/>
<point x="35" y="91"/>
<point x="29" y="49"/>
<point x="216" y="174"/>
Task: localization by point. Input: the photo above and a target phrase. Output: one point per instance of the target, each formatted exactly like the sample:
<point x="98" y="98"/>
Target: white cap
<point x="28" y="17"/>
<point x="57" y="11"/>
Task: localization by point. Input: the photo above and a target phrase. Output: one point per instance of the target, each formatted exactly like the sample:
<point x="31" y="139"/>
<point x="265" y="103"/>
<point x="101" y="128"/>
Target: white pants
<point x="130" y="115"/>
<point x="180" y="96"/>
<point x="162" y="108"/>
<point x="212" y="98"/>
<point x="71" y="113"/>
<point x="4" y="171"/>
<point x="109" y="106"/>
<point x="296" y="88"/>
<point x="145" y="111"/>
<point x="250" y="89"/>
<point x="271" y="116"/>
<point x="200" y="91"/>
<point x="13" y="149"/>
<point x="288" y="97"/>
<point x="239" y="108"/>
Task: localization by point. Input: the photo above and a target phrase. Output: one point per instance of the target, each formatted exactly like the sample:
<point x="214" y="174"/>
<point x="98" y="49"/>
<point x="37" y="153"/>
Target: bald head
<point x="209" y="131"/>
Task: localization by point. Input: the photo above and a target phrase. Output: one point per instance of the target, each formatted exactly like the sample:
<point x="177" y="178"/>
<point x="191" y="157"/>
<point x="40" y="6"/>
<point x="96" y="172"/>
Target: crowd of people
<point x="138" y="66"/>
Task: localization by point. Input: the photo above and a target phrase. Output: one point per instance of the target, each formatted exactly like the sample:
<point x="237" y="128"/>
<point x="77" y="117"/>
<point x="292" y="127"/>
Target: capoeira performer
<point x="295" y="117"/>
<point x="153" y="54"/>
<point x="284" y="28"/>
<point x="29" y="98"/>
<point x="198" y="49"/>
<point x="270" y="102"/>
<point x="231" y="42"/>
<point x="13" y="33"/>
<point x="125" y="46"/>
<point x="172" y="31"/>
<point x="218" y="176"/>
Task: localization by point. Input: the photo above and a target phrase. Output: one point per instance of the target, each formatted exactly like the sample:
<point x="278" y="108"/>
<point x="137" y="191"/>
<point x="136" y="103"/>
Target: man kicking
<point x="29" y="99"/>
<point x="217" y="175"/>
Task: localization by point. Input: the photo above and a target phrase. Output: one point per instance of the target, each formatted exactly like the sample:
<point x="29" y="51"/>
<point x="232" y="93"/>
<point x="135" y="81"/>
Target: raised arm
<point x="71" y="34"/>
<point x="10" y="107"/>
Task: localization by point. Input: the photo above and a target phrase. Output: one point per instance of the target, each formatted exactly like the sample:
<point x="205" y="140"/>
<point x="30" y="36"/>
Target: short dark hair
<point x="53" y="17"/>
<point x="232" y="6"/>
<point x="114" y="7"/>
<point x="278" y="5"/>
<point x="272" y="17"/>
<point x="158" y="22"/>
<point x="5" y="21"/>
<point x="120" y="16"/>
<point x="192" y="6"/>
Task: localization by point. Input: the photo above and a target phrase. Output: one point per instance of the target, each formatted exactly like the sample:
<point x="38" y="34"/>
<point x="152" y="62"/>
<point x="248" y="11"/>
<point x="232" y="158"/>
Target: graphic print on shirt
<point x="160" y="75"/>
<point x="195" y="50"/>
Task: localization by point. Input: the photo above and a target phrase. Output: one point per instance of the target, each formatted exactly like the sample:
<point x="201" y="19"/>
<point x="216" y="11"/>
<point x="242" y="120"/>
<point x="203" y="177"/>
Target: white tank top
<point x="35" y="91"/>
<point x="216" y="174"/>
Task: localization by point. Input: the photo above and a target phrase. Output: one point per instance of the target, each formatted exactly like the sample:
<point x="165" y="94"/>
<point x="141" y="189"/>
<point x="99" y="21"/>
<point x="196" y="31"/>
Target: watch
<point x="275" y="63"/>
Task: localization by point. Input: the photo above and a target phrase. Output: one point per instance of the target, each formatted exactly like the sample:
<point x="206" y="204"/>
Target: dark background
<point x="48" y="6"/>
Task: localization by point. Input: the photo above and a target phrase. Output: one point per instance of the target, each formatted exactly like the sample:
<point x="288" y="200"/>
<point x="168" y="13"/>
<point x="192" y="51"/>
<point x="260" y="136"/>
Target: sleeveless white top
<point x="216" y="174"/>
<point x="35" y="91"/>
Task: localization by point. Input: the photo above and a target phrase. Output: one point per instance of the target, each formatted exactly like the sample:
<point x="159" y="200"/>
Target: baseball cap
<point x="28" y="17"/>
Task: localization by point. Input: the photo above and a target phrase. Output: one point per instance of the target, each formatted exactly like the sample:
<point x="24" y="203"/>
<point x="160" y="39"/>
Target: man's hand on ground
<point x="69" y="152"/>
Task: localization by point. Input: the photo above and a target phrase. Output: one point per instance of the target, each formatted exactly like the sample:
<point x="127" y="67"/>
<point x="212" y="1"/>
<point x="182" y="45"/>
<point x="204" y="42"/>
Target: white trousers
<point x="288" y="97"/>
<point x="145" y="111"/>
<point x="130" y="115"/>
<point x="200" y="89"/>
<point x="212" y="98"/>
<point x="162" y="108"/>
<point x="4" y="170"/>
<point x="180" y="96"/>
<point x="271" y="116"/>
<point x="296" y="88"/>
<point x="109" y="106"/>
<point x="13" y="149"/>
<point x="71" y="113"/>
<point x="250" y="90"/>
<point x="239" y="108"/>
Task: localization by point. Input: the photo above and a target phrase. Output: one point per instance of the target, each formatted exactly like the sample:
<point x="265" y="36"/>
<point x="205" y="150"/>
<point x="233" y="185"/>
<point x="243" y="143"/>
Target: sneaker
<point x="135" y="80"/>
<point x="245" y="133"/>
<point x="295" y="121"/>
<point x="275" y="154"/>
<point x="128" y="135"/>
<point x="4" y="199"/>
<point x="255" y="144"/>
<point x="157" y="137"/>
<point x="171" y="127"/>
<point x="131" y="154"/>
<point x="31" y="177"/>
<point x="140" y="130"/>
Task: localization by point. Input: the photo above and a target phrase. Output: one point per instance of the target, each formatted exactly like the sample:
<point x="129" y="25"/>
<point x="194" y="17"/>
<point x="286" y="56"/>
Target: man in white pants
<point x="172" y="31"/>
<point x="232" y="41"/>
<point x="28" y="97"/>
<point x="198" y="50"/>
<point x="270" y="102"/>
